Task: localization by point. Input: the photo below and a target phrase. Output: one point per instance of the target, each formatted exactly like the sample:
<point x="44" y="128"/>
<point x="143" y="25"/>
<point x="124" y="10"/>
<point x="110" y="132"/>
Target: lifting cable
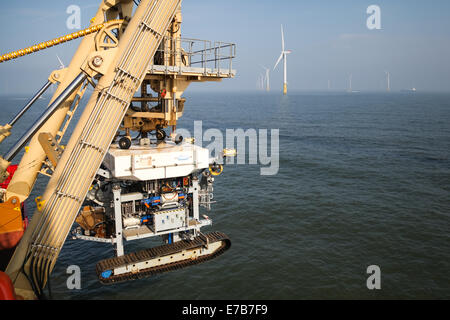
<point x="54" y="42"/>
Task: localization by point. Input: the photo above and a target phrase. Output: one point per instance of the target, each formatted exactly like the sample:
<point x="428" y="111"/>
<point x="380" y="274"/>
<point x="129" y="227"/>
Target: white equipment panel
<point x="169" y="219"/>
<point x="163" y="161"/>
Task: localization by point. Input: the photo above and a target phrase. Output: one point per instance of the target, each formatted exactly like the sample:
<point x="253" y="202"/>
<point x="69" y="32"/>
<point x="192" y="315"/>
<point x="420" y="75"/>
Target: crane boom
<point x="114" y="187"/>
<point x="31" y="163"/>
<point x="123" y="69"/>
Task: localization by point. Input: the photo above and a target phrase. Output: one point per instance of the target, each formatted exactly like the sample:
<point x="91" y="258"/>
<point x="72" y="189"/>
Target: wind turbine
<point x="267" y="78"/>
<point x="61" y="64"/>
<point x="350" y="78"/>
<point x="283" y="56"/>
<point x="388" y="76"/>
<point x="260" y="82"/>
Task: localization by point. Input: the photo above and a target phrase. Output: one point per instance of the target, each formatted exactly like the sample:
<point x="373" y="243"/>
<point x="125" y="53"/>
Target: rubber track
<point x="156" y="252"/>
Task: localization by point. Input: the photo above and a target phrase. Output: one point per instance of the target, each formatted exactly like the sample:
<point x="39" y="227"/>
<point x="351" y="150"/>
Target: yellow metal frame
<point x="118" y="70"/>
<point x="11" y="216"/>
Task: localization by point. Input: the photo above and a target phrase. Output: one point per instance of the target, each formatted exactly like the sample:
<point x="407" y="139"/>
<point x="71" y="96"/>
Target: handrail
<point x="201" y="51"/>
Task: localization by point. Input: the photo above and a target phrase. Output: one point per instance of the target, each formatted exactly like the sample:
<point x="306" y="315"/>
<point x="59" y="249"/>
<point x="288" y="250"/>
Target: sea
<point x="363" y="182"/>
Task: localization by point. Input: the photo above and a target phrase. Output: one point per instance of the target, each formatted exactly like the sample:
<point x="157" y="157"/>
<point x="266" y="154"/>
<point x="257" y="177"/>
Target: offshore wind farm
<point x="342" y="154"/>
<point x="263" y="82"/>
<point x="376" y="72"/>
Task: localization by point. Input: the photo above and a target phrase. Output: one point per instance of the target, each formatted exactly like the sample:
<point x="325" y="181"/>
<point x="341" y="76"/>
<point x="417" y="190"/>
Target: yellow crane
<point x="130" y="56"/>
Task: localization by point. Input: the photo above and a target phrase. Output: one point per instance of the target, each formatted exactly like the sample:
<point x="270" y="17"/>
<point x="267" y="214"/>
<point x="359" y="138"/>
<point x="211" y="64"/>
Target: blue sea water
<point x="364" y="179"/>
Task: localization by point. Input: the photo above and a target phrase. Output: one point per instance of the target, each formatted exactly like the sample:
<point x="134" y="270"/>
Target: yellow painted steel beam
<point x="30" y="165"/>
<point x="38" y="251"/>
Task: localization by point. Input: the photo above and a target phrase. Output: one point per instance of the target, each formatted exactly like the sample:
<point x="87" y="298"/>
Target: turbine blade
<point x="282" y="39"/>
<point x="279" y="59"/>
<point x="62" y="66"/>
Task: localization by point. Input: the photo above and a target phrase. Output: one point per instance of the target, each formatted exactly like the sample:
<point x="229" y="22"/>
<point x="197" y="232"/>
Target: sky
<point x="329" y="40"/>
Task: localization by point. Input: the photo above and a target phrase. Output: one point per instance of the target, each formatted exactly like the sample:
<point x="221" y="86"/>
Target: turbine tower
<point x="267" y="78"/>
<point x="388" y="77"/>
<point x="260" y="82"/>
<point x="350" y="78"/>
<point x="283" y="56"/>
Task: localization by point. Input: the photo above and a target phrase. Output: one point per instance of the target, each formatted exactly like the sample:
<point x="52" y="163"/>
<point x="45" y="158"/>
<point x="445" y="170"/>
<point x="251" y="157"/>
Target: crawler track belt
<point x="162" y="251"/>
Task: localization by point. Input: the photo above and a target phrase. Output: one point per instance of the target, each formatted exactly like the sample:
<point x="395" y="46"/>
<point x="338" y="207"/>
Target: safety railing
<point x="211" y="57"/>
